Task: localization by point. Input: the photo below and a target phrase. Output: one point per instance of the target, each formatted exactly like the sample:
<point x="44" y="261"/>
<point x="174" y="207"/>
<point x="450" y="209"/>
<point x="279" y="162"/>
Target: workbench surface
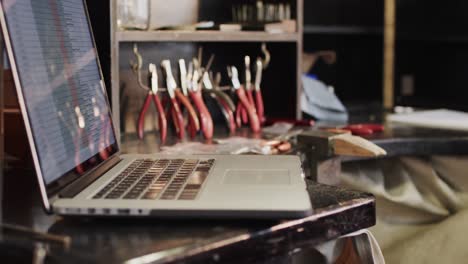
<point x="336" y="212"/>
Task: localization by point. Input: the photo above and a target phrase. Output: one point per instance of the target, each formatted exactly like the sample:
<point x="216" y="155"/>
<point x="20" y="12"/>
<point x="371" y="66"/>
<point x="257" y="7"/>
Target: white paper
<point x="319" y="102"/>
<point x="440" y="118"/>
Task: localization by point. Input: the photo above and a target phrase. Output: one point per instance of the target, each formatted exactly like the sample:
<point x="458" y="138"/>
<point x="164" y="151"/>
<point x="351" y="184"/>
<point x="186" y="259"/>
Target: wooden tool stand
<point x="280" y="83"/>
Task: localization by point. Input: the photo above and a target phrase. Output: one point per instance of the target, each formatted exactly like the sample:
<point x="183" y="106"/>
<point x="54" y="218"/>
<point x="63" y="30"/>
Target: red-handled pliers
<point x="241" y="113"/>
<point x="152" y="95"/>
<point x="185" y="79"/>
<point x="357" y="129"/>
<point x="258" y="92"/>
<point x="364" y="129"/>
<point x="245" y="103"/>
<point x="176" y="112"/>
<point x="194" y="88"/>
<point x="224" y="102"/>
<point x="257" y="101"/>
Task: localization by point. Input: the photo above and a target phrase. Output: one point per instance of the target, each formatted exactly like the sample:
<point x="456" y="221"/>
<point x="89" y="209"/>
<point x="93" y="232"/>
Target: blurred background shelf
<point x="204" y="36"/>
<point x="430" y="53"/>
<point x="343" y="29"/>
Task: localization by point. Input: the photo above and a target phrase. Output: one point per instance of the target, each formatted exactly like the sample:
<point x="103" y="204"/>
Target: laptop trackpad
<point x="261" y="177"/>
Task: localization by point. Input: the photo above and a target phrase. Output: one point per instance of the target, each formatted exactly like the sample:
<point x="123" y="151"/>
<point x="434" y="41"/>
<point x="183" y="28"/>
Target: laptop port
<point x="91" y="211"/>
<point x="123" y="211"/>
<point x="106" y="211"/>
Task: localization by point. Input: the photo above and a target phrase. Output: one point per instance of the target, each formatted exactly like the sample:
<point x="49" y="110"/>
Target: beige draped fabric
<point x="422" y="206"/>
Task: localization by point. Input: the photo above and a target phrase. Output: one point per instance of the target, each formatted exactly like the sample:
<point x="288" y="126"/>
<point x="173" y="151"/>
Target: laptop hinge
<point x="79" y="185"/>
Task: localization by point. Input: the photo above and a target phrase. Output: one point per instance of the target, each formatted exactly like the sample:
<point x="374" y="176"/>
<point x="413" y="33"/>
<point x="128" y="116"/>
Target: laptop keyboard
<point x="164" y="179"/>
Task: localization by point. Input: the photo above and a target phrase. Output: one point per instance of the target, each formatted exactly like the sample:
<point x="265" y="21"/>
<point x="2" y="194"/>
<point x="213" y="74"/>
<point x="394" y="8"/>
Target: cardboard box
<point x="173" y="13"/>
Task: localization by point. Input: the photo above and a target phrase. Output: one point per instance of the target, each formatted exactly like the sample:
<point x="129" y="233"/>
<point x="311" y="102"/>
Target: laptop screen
<point x="62" y="88"/>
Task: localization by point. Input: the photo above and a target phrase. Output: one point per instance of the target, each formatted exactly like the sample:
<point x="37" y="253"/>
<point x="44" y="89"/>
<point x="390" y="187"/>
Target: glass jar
<point x="133" y="14"/>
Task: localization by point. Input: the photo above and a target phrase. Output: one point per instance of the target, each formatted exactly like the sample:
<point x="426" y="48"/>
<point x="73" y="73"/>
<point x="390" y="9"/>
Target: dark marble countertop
<point x="400" y="139"/>
<point x="407" y="140"/>
<point x="336" y="212"/>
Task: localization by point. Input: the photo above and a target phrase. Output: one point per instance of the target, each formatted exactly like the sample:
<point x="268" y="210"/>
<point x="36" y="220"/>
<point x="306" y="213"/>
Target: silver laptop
<point x="76" y="155"/>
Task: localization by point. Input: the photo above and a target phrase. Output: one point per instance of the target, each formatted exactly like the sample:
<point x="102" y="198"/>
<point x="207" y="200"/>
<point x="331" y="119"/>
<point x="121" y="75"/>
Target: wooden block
<point x="173" y="13"/>
<point x="285" y="26"/>
<point x="325" y="144"/>
<point x="349" y="145"/>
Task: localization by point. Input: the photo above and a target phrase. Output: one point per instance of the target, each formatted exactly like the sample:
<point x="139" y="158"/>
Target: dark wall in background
<point x="99" y="13"/>
<point x="343" y="12"/>
<point x="431" y="50"/>
<point x="353" y="28"/>
<point x="432" y="47"/>
<point x="357" y="74"/>
<point x="432" y="18"/>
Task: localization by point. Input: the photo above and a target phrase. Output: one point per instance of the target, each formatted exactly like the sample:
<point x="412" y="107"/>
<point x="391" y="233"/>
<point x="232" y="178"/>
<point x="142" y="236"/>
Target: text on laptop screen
<point x="61" y="85"/>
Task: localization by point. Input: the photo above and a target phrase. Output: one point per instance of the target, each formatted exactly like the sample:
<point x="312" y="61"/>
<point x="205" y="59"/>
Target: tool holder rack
<point x="283" y="46"/>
